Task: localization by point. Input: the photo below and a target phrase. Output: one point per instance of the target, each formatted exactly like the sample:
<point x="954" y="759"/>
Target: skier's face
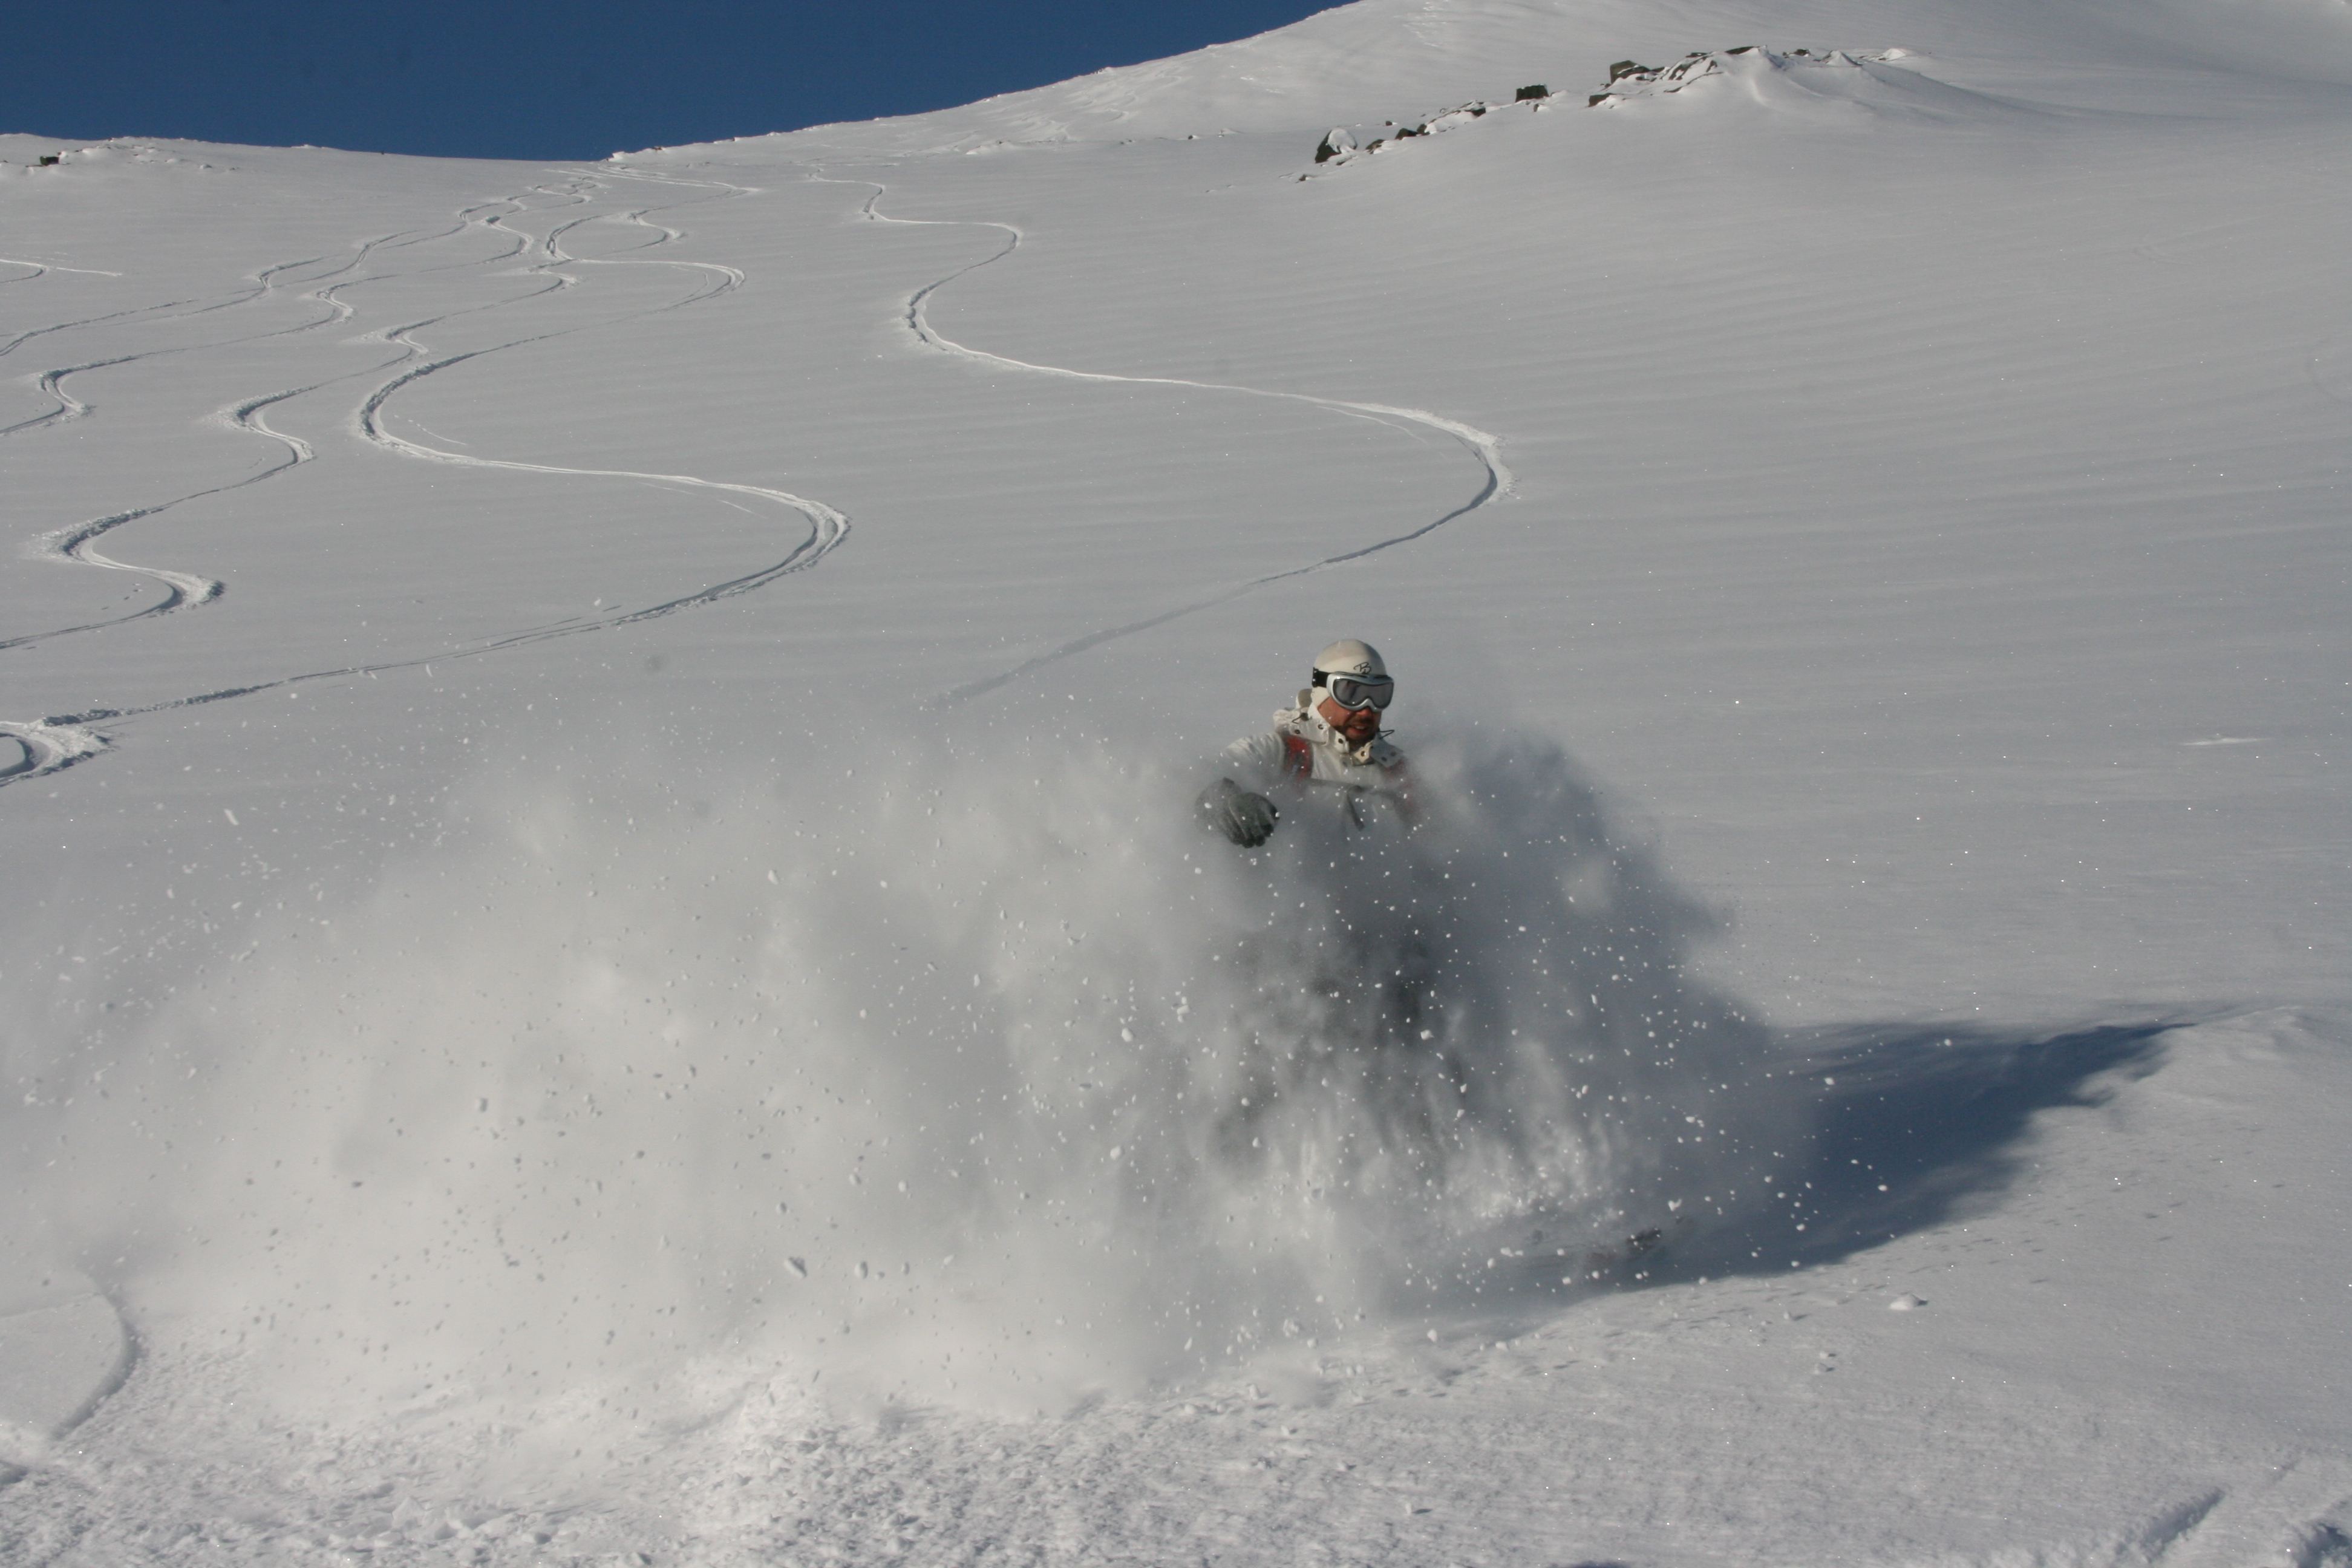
<point x="1358" y="724"/>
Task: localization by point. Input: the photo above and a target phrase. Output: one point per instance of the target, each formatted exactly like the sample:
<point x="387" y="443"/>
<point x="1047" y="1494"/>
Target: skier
<point x="1328" y="745"/>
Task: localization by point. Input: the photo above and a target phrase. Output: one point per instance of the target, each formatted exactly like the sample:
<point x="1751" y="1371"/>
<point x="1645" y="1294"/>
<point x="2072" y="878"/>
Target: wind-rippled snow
<point x="608" y="957"/>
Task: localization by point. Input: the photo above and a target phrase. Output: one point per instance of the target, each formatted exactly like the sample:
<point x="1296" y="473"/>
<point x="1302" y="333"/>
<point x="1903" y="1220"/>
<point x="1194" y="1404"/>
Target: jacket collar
<point x="1310" y="726"/>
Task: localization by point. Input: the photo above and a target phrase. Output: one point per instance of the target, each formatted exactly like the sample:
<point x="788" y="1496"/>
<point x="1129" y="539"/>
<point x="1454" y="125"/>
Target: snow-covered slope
<point x="605" y="951"/>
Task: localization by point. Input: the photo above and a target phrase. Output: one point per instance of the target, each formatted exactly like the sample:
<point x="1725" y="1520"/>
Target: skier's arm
<point x="1257" y="762"/>
<point x="1243" y="816"/>
<point x="1240" y="810"/>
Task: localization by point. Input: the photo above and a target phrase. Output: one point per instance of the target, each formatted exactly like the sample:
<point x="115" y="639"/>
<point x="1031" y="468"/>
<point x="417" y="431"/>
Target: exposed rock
<point x="1449" y="119"/>
<point x="1339" y="145"/>
<point x="1628" y="79"/>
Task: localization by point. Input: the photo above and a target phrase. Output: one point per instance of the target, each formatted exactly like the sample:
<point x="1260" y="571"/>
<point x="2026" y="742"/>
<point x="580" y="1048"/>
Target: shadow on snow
<point x="1913" y="1126"/>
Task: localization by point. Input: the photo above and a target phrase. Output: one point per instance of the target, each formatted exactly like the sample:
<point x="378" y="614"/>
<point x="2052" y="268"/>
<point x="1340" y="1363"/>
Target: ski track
<point x="60" y="741"/>
<point x="65" y="741"/>
<point x="1485" y="448"/>
<point x="73" y="545"/>
<point x="265" y="283"/>
<point x="39" y="267"/>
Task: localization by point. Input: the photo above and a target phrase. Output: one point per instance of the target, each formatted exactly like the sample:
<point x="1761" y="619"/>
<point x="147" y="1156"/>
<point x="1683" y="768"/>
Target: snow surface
<point x="606" y="960"/>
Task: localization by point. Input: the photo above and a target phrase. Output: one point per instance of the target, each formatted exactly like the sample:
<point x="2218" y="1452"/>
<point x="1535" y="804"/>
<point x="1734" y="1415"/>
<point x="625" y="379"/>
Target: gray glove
<point x="1245" y="818"/>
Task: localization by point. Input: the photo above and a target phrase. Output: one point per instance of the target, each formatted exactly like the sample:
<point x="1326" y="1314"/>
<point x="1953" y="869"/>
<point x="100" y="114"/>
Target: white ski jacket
<point x="1303" y="756"/>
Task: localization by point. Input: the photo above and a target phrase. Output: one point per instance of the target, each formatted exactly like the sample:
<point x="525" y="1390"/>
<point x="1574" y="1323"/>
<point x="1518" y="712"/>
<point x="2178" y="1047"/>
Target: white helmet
<point x="1348" y="657"/>
<point x="1352" y="673"/>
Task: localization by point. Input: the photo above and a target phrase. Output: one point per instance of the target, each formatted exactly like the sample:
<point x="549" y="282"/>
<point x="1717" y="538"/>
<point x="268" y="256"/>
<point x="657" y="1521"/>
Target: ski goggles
<point x="1349" y="692"/>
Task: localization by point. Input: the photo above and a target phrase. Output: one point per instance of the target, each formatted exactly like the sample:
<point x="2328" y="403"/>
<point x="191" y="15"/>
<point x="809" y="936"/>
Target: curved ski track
<point x="1485" y="448"/>
<point x="265" y="282"/>
<point x="182" y="590"/>
<point x="63" y="741"/>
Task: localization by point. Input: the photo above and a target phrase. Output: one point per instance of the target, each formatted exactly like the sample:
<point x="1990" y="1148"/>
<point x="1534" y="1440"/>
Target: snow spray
<point x="915" y="1070"/>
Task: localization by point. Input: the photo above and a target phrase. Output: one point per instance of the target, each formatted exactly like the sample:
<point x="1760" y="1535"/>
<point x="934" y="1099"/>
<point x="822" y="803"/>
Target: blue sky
<point x="532" y="78"/>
